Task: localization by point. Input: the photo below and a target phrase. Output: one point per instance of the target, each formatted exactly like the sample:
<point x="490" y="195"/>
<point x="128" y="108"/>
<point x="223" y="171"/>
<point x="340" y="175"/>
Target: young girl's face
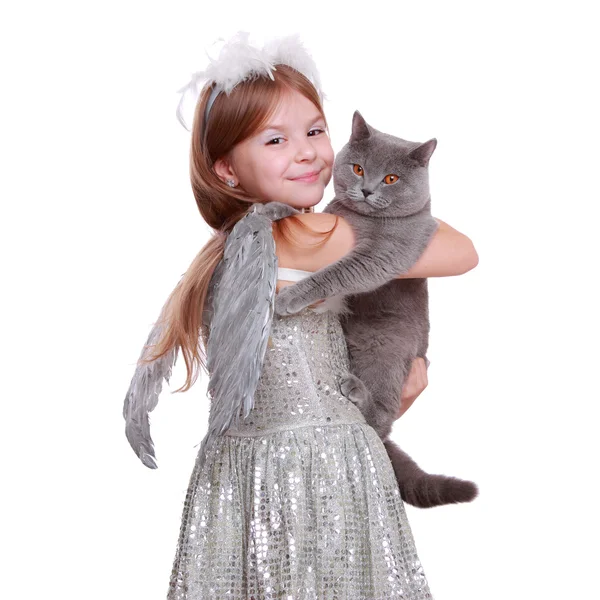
<point x="273" y="164"/>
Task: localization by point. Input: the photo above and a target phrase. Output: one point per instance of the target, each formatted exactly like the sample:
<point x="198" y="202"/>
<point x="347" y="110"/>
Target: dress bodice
<point x="306" y="358"/>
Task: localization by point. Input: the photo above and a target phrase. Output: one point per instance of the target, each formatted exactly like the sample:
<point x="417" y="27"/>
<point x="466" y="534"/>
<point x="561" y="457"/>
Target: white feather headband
<point x="239" y="60"/>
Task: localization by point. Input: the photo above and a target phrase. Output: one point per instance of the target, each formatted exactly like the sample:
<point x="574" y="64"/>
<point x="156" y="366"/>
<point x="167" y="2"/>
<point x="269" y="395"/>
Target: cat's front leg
<point x="291" y="299"/>
<point x="356" y="391"/>
<point x="352" y="274"/>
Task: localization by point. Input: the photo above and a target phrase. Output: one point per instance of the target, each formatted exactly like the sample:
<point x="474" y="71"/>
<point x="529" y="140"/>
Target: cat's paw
<point x="276" y="210"/>
<point x="287" y="302"/>
<point x="355" y="390"/>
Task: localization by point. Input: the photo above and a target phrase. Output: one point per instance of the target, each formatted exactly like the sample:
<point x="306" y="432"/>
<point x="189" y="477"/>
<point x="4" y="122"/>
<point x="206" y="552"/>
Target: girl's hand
<point x="415" y="383"/>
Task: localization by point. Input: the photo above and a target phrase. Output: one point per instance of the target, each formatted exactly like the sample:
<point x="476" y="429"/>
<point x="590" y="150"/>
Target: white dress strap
<point x="287" y="274"/>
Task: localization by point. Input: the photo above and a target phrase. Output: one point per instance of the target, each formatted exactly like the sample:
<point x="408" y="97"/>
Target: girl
<point x="298" y="500"/>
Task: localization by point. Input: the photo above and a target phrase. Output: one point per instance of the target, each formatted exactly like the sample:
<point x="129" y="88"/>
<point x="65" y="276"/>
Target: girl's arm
<point x="449" y="253"/>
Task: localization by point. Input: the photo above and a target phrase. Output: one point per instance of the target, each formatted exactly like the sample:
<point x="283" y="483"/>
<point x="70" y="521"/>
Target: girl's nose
<point x="305" y="151"/>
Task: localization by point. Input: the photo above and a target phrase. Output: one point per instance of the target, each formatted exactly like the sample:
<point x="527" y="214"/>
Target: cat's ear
<point x="360" y="128"/>
<point x="423" y="153"/>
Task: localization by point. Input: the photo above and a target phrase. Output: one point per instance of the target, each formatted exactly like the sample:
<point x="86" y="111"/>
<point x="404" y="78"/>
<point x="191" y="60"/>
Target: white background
<point x="99" y="223"/>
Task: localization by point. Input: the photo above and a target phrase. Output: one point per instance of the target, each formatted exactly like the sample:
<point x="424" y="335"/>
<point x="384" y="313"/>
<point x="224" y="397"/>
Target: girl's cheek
<point x="327" y="151"/>
<point x="281" y="166"/>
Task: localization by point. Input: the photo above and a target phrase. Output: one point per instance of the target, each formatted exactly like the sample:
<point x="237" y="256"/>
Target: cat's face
<point x="382" y="175"/>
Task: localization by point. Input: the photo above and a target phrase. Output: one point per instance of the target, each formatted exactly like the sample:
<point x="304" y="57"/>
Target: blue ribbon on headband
<point x="215" y="92"/>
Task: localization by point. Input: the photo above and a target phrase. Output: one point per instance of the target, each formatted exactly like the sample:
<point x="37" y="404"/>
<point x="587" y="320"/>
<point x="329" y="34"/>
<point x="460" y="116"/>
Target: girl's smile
<point x="314" y="176"/>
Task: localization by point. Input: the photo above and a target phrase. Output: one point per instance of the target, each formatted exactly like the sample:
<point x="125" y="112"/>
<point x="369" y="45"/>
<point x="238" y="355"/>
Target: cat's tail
<point x="422" y="489"/>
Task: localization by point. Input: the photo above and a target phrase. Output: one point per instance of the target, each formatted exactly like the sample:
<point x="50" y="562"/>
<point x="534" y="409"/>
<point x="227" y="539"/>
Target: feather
<point x="242" y="312"/>
<point x="239" y="60"/>
<point x="290" y="51"/>
<point x="142" y="398"/>
<point x="239" y="309"/>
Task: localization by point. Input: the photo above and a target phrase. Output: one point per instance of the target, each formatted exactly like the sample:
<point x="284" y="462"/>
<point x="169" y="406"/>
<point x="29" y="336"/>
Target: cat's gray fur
<point x="385" y="320"/>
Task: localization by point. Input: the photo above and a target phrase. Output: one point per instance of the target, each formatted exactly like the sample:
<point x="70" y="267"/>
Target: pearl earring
<point x="231" y="183"/>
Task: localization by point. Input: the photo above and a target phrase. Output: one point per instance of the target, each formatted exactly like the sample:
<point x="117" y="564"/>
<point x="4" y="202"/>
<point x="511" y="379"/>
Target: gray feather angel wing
<point x="142" y="398"/>
<point x="240" y="317"/>
<point x="242" y="312"/>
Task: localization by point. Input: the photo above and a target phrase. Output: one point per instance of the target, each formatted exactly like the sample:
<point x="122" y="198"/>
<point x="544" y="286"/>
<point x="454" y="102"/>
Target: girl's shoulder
<point x="309" y="248"/>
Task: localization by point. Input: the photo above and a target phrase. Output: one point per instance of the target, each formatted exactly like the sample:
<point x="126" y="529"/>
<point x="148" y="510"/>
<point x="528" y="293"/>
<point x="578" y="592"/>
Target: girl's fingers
<point x="414" y="384"/>
<point x="422" y="373"/>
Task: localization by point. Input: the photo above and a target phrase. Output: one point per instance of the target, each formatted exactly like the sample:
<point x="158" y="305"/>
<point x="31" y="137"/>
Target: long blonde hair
<point x="232" y="119"/>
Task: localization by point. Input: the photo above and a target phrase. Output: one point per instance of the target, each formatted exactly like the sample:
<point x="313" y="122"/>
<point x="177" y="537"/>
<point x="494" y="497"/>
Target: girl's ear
<point x="223" y="170"/>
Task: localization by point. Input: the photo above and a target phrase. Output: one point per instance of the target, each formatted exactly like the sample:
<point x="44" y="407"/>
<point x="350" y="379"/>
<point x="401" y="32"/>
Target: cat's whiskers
<point x="354" y="195"/>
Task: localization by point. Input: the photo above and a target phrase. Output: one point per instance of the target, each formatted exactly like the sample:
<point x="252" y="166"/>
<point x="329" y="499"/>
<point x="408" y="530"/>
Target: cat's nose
<point x="366" y="193"/>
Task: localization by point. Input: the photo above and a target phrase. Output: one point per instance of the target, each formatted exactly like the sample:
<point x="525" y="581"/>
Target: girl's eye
<point x="317" y="130"/>
<point x="358" y="170"/>
<point x="390" y="178"/>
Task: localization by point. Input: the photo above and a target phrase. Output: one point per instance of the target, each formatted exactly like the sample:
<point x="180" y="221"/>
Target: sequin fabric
<point x="300" y="501"/>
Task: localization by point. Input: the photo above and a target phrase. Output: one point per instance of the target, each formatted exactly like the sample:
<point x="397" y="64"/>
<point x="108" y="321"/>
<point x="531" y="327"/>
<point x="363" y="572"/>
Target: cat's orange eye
<point x="358" y="170"/>
<point x="390" y="178"/>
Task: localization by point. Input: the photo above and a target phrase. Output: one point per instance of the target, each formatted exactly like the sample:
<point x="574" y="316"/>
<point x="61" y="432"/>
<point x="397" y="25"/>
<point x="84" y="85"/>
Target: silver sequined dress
<point x="300" y="501"/>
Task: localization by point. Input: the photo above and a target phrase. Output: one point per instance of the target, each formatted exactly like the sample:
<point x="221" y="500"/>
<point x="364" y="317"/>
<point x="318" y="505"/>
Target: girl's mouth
<point x="308" y="178"/>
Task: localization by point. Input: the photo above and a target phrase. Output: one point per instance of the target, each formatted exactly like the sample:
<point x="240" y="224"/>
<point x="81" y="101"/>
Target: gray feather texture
<point x="142" y="398"/>
<point x="242" y="312"/>
<point x="239" y="311"/>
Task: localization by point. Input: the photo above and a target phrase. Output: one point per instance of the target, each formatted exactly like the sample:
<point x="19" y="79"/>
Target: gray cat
<point x="381" y="187"/>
